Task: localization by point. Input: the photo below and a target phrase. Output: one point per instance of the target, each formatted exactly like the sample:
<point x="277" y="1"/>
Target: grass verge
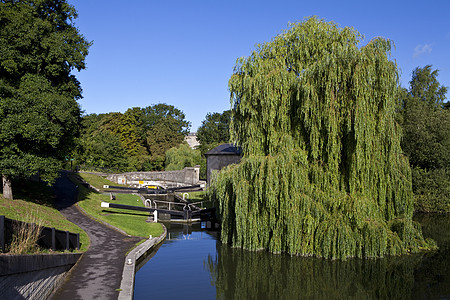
<point x="95" y="180"/>
<point x="44" y="215"/>
<point x="132" y="222"/>
<point x="26" y="236"/>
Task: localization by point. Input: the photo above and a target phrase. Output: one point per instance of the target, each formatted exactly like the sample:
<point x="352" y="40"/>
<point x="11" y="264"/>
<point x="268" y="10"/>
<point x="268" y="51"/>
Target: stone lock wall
<point x="188" y="176"/>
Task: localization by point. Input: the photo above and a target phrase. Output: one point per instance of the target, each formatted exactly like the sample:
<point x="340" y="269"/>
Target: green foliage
<point x="104" y="150"/>
<point x="215" y="128"/>
<point x="39" y="115"/>
<point x="425" y="87"/>
<point x="431" y="190"/>
<point x="128" y="131"/>
<point x="426" y="139"/>
<point x="322" y="173"/>
<point x="136" y="140"/>
<point x="177" y="158"/>
<point x="163" y="136"/>
<point x="164" y="127"/>
<point x="214" y="131"/>
<point x="98" y="146"/>
<point x="153" y="114"/>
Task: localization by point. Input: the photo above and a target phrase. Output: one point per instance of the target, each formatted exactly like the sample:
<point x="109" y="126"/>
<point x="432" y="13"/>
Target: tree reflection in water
<point x="240" y="274"/>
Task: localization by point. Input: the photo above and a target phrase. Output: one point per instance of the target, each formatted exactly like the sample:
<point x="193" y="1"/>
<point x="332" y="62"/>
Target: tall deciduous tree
<point x="426" y="139"/>
<point x="323" y="172"/>
<point x="215" y="128"/>
<point x="162" y="137"/>
<point x="164" y="127"/>
<point x="99" y="145"/>
<point x="153" y="114"/>
<point x="129" y="131"/>
<point x="39" y="115"/>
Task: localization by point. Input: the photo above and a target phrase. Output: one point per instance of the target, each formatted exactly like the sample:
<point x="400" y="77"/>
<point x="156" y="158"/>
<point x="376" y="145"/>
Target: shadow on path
<point x="98" y="273"/>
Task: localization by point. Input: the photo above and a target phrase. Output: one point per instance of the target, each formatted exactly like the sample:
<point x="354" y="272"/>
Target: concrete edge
<point x="127" y="284"/>
<point x="16" y="264"/>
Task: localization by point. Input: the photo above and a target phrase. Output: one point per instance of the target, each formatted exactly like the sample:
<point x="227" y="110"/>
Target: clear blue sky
<point x="183" y="52"/>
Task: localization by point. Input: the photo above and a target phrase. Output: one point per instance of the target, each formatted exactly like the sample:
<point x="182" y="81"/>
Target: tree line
<point x="42" y="126"/>
<point x="146" y="139"/>
<point x="425" y="119"/>
<point x="136" y="140"/>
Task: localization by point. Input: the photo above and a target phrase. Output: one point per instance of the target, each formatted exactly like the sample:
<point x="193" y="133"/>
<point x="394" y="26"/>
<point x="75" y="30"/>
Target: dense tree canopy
<point x="215" y="130"/>
<point x="323" y="172"/>
<point x="177" y="158"/>
<point x="98" y="145"/>
<point x="151" y="115"/>
<point x="39" y="115"/>
<point x="141" y="136"/>
<point x="426" y="139"/>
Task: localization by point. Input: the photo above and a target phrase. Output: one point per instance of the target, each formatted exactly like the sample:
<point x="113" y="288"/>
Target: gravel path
<point x="98" y="273"/>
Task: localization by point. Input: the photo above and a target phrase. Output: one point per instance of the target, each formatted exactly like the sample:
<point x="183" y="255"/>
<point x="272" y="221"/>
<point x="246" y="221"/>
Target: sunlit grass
<point x="132" y="222"/>
<point x="96" y="180"/>
<point x="44" y="215"/>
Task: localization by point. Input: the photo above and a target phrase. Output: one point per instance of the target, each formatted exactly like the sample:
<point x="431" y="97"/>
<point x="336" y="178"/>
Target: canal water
<point x="192" y="264"/>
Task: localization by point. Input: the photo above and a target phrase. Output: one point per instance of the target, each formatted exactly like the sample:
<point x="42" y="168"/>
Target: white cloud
<point x="422" y="49"/>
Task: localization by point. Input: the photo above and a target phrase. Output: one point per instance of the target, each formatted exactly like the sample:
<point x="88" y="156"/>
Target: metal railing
<point x="190" y="206"/>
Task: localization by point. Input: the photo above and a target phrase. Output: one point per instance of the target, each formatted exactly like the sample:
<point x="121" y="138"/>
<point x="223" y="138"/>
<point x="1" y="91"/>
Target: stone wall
<point x="33" y="276"/>
<point x="188" y="176"/>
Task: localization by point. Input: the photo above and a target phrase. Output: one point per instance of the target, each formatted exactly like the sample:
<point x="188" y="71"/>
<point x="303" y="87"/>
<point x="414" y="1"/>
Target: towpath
<point x="97" y="275"/>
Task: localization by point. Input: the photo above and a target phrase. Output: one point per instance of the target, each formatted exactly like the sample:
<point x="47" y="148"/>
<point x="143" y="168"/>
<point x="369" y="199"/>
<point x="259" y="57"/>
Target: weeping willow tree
<point x="323" y="172"/>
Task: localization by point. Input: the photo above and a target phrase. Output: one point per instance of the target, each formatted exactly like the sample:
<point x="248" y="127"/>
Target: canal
<point x="192" y="264"/>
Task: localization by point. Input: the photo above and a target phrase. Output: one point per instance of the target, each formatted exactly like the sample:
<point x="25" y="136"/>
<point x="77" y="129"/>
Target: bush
<point x="178" y="158"/>
<point x="431" y="190"/>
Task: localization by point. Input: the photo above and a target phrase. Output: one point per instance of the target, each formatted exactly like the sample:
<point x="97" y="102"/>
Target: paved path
<point x="98" y="273"/>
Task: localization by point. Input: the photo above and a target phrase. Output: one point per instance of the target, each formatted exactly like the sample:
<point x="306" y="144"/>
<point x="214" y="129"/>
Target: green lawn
<point x="132" y="222"/>
<point x="44" y="215"/>
<point x="96" y="180"/>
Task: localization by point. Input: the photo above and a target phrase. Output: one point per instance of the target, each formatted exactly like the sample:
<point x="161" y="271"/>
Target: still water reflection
<point x="191" y="264"/>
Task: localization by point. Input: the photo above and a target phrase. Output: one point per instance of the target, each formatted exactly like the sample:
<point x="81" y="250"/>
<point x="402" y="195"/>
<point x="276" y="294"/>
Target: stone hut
<point x="220" y="157"/>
